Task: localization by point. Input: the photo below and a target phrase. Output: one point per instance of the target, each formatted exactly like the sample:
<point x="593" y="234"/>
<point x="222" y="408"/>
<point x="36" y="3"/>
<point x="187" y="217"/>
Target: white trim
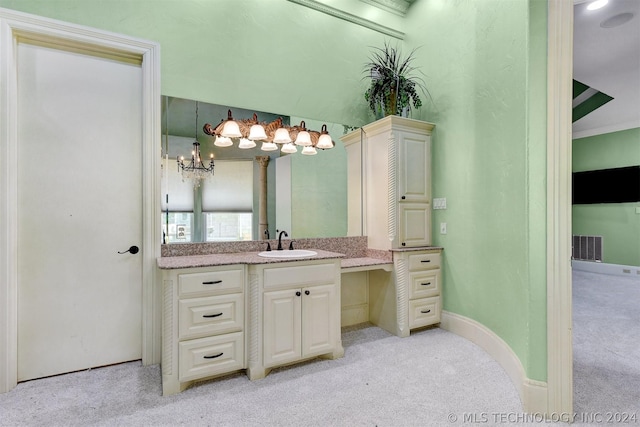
<point x="559" y="95"/>
<point x="16" y="24"/>
<point x="630" y="271"/>
<point x="349" y="17"/>
<point x="607" y="129"/>
<point x="533" y="394"/>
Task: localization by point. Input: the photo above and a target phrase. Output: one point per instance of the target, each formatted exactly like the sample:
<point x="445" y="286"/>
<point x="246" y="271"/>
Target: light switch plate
<point x="440" y="203"/>
<point x="637" y="210"/>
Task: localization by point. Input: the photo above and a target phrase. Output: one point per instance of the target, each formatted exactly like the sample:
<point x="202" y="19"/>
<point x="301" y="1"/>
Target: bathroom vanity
<point x="229" y="312"/>
<point x="232" y="310"/>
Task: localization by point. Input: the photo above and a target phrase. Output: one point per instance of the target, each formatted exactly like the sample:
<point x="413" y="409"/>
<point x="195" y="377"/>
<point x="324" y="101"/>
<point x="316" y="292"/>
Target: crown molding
<point x="349" y="17"/>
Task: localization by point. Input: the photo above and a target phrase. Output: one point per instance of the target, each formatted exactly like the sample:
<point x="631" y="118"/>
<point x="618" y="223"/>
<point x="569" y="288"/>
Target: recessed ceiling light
<point x="597" y="4"/>
<point x="617" y="20"/>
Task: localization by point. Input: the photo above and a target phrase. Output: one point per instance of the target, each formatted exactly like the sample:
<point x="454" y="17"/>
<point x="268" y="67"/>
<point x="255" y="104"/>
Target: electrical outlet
<point x="638" y="210"/>
<point x="443" y="228"/>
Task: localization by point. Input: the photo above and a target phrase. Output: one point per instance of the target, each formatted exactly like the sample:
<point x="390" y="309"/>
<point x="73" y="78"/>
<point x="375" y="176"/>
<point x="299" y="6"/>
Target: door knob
<point x="133" y="250"/>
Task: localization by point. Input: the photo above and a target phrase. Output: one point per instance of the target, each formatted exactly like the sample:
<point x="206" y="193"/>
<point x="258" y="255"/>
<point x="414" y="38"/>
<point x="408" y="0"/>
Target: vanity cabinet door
<point x="299" y="323"/>
<point x="415" y="225"/>
<point x="318" y="319"/>
<point x="282" y="326"/>
<point x="414" y="171"/>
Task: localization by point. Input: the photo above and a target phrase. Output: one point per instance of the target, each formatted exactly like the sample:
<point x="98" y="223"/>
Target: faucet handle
<point x="268" y="246"/>
<point x="291" y="245"/>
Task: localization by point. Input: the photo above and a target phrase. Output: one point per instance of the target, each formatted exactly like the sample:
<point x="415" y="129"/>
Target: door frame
<point x="16" y="25"/>
<point x="559" y="146"/>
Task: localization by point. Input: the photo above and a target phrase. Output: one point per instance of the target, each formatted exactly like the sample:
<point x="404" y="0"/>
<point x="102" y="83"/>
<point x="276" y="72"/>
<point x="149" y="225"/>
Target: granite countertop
<point x="364" y="262"/>
<point x="173" y="262"/>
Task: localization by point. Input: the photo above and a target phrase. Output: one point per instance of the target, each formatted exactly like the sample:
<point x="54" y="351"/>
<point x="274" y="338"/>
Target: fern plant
<point x="394" y="84"/>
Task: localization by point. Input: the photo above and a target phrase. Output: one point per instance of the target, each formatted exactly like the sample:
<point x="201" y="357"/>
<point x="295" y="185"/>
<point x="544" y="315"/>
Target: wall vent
<point x="587" y="248"/>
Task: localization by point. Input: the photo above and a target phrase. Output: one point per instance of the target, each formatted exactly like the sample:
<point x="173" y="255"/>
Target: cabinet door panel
<point x="414" y="168"/>
<point x="282" y="327"/>
<point x="415" y="224"/>
<point x="318" y="319"/>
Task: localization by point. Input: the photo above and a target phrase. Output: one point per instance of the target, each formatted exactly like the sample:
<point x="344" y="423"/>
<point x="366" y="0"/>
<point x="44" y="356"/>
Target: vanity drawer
<point x="424" y="311"/>
<point x="210" y="315"/>
<point x="204" y="357"/>
<point x="219" y="281"/>
<point x="424" y="284"/>
<point x="424" y="261"/>
<point x="301" y="275"/>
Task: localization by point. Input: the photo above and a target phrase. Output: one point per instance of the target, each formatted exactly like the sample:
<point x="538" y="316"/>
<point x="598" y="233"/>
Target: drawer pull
<point x="214" y="356"/>
<point x="426" y="260"/>
<point x="425" y="311"/>
<point x="211" y="315"/>
<point x="213" y="282"/>
<point x="425" y="284"/>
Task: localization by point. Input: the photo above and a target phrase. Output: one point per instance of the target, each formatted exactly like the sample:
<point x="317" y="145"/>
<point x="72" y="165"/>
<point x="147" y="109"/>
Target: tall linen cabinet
<point x="389" y="201"/>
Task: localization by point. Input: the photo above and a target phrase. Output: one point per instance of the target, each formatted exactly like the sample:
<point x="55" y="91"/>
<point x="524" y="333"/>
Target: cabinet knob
<point x="403" y="197"/>
<point x="307" y="292"/>
<point x="298" y="293"/>
<point x="404" y="244"/>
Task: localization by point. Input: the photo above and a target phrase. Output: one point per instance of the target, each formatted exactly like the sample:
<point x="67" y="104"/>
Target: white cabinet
<point x="389" y="182"/>
<point x="298" y="324"/>
<point x="203" y="324"/>
<point x="419" y="281"/>
<point x="295" y="310"/>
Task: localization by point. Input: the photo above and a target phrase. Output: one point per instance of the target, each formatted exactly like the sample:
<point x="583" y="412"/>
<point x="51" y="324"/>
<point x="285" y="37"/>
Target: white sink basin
<point x="295" y="253"/>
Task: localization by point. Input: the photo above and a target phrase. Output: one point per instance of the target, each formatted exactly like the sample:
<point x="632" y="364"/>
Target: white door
<point x="282" y="327"/>
<point x="79" y="203"/>
<point x="318" y="308"/>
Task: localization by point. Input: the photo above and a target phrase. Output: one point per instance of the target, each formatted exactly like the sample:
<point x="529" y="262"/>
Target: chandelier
<point x="195" y="170"/>
<point x="249" y="131"/>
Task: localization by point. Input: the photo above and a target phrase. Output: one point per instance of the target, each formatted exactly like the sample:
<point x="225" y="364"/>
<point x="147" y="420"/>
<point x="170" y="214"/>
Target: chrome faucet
<point x="280" y="239"/>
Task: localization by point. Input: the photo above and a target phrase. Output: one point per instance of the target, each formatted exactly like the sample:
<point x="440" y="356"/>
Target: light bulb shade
<point x="281" y="136"/>
<point x="309" y="150"/>
<point x="257" y="133"/>
<point x="231" y="129"/>
<point x="268" y="146"/>
<point x="303" y="139"/>
<point x="246" y="143"/>
<point x="324" y="142"/>
<point x="223" y="141"/>
<point x="289" y="148"/>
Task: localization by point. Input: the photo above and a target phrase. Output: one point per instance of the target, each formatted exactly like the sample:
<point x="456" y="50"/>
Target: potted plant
<point x="394" y="85"/>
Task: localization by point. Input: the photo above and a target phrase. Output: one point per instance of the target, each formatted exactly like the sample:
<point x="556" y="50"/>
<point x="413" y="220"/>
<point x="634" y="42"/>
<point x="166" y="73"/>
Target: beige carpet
<point x="430" y="378"/>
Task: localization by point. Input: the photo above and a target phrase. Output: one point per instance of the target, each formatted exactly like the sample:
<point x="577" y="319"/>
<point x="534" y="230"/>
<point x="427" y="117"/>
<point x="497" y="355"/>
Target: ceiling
<point x="608" y="60"/>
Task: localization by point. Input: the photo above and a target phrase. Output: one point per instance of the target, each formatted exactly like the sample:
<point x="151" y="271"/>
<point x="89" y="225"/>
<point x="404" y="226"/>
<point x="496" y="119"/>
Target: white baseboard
<point x="604" y="268"/>
<point x="533" y="394"/>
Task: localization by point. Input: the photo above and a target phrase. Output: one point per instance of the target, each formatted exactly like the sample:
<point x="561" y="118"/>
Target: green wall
<point x="617" y="223"/>
<point x="484" y="64"/>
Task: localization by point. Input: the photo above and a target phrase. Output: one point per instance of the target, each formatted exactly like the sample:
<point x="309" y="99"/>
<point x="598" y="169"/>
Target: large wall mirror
<point x="304" y="195"/>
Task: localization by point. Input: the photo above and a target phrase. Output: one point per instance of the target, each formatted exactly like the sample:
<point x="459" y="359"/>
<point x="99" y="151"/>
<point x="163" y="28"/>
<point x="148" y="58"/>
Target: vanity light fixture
<point x="249" y="131"/>
<point x="195" y="170"/>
